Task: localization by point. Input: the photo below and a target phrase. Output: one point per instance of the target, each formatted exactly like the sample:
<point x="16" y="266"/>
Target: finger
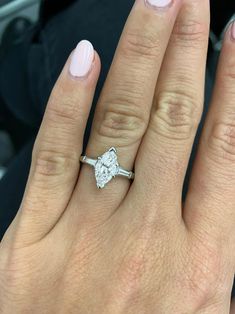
<point x="55" y="162"/>
<point x="123" y="110"/>
<point x="164" y="154"/>
<point x="211" y="199"/>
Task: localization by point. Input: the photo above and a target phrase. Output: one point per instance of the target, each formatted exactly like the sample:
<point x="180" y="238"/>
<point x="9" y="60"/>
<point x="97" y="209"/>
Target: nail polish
<point x="233" y="30"/>
<point x="82" y="59"/>
<point x="159" y="4"/>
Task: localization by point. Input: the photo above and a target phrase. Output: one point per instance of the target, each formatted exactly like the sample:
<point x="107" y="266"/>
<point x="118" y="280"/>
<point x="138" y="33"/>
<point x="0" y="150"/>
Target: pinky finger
<point x="211" y="199"/>
<point x="55" y="162"/>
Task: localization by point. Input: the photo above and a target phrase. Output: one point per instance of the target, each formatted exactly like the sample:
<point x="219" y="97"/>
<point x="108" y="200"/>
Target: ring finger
<point x="124" y="106"/>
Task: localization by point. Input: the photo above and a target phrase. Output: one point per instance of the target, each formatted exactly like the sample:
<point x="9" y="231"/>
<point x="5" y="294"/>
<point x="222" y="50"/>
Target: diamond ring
<point x="107" y="168"/>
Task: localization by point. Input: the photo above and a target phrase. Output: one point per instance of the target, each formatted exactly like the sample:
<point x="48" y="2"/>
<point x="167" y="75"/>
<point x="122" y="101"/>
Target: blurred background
<point x="18" y="18"/>
<point x="21" y="13"/>
<point x="10" y="9"/>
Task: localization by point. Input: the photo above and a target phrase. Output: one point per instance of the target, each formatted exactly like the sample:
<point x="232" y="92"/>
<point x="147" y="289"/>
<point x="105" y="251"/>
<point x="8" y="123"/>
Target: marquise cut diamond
<point x="106" y="168"/>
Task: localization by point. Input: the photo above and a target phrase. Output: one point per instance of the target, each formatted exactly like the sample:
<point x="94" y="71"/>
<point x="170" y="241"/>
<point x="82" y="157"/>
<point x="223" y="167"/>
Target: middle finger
<point x="124" y="107"/>
<point x="177" y="109"/>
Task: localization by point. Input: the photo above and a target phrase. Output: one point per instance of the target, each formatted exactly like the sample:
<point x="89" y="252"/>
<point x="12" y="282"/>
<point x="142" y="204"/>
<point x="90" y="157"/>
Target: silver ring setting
<point x="107" y="167"/>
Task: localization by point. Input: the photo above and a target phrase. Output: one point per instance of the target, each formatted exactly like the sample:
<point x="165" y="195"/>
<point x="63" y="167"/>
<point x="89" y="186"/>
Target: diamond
<point x="106" y="168"/>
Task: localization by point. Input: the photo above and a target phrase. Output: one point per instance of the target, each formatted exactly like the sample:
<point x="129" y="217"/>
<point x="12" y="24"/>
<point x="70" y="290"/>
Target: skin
<point x="132" y="247"/>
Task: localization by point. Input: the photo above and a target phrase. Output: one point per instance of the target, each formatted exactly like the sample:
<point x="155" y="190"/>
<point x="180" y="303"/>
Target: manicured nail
<point x="233" y="30"/>
<point x="82" y="59"/>
<point x="158" y="4"/>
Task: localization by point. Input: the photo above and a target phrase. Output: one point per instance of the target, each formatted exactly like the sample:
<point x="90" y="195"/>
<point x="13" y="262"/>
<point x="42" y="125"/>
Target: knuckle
<point x="204" y="287"/>
<point x="221" y="142"/>
<point x="191" y="33"/>
<point x="49" y="163"/>
<point x="206" y="273"/>
<point x="124" y="121"/>
<point x="177" y="115"/>
<point x="140" y="44"/>
<point x="130" y="274"/>
<point x="140" y="261"/>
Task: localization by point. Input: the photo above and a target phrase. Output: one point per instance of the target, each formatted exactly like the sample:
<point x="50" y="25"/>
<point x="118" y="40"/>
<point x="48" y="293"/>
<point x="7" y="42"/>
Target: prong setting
<point x="107" y="167"/>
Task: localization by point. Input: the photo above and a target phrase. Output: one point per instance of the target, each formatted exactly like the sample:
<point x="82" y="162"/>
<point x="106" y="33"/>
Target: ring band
<point x="107" y="167"/>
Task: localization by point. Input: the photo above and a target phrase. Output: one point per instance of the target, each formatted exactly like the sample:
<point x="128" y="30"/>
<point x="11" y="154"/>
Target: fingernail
<point x="158" y="4"/>
<point x="82" y="59"/>
<point x="233" y="30"/>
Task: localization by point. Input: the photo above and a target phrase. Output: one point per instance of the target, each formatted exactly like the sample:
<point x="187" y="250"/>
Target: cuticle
<point x="149" y="5"/>
<point x="82" y="78"/>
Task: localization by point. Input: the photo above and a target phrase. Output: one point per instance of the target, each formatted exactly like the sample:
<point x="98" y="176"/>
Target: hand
<point x="131" y="247"/>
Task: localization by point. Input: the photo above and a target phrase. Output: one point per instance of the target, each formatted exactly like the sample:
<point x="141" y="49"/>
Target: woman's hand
<point x="131" y="247"/>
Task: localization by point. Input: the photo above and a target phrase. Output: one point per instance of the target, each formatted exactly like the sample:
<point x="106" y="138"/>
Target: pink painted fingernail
<point x="158" y="4"/>
<point x="233" y="30"/>
<point x="82" y="59"/>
